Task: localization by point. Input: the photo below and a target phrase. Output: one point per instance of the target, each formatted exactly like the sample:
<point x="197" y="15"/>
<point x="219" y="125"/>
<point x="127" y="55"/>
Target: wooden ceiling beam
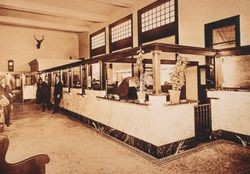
<point x="40" y="24"/>
<point x="243" y="50"/>
<point x="32" y="7"/>
<point x="160" y="47"/>
<point x="185" y="49"/>
<point x="117" y="3"/>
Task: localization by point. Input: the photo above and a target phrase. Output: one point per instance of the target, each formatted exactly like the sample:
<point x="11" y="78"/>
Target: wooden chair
<point x="33" y="165"/>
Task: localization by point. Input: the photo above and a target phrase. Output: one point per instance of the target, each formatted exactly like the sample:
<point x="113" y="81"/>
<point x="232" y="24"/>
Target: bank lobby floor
<point x="77" y="149"/>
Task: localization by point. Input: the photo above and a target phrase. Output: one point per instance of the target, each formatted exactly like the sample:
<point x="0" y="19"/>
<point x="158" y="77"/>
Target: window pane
<point x="224" y="37"/>
<point x="172" y="2"/>
<point x="123" y="31"/>
<point x="98" y="40"/>
<point x="158" y="16"/>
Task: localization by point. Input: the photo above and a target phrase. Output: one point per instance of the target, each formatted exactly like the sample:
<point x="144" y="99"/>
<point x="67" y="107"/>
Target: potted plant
<point x="139" y="65"/>
<point x="177" y="78"/>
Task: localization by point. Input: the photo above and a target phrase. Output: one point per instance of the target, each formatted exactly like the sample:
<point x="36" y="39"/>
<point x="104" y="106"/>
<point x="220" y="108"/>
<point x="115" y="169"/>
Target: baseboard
<point x="231" y="136"/>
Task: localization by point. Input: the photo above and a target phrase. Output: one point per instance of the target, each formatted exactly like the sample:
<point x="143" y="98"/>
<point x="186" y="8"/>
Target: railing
<point x="203" y="123"/>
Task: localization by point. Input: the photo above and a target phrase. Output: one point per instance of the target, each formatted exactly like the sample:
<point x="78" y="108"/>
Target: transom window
<point x="98" y="43"/>
<point x="158" y="20"/>
<point x="121" y="31"/>
<point x="121" y="34"/>
<point x="158" y="16"/>
<point x="98" y="40"/>
<point x="224" y="37"/>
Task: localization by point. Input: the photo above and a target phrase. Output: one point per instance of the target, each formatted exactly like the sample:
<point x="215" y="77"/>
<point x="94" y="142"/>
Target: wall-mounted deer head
<point x="39" y="42"/>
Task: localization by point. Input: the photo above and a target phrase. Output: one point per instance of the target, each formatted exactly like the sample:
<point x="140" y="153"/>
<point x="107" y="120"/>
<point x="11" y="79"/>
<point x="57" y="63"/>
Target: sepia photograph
<point x="124" y="87"/>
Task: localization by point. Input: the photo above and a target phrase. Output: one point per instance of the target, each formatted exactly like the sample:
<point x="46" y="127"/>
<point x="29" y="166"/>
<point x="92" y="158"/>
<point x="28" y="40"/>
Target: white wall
<point x="17" y="43"/>
<point x="230" y="111"/>
<point x="194" y="14"/>
<point x="83" y="45"/>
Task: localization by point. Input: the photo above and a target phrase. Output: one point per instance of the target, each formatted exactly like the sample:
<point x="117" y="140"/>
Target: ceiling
<point x="65" y="15"/>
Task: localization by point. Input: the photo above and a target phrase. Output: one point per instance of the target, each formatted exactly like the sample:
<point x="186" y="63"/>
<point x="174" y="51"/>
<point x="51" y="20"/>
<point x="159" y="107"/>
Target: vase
<point x="174" y="96"/>
<point x="141" y="96"/>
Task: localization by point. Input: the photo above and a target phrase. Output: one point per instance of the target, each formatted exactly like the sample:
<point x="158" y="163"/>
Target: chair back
<point x="32" y="165"/>
<point x="4" y="144"/>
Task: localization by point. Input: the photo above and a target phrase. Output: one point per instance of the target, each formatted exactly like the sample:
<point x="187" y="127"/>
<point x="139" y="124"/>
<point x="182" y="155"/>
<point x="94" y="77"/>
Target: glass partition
<point x="166" y="69"/>
<point x="54" y="74"/>
<point x="120" y="71"/>
<point x="76" y="72"/>
<point x="17" y="82"/>
<point x="30" y="79"/>
<point x="95" y="71"/>
<point x="236" y="72"/>
<point x="95" y="76"/>
<point x="50" y="74"/>
<point x="65" y="78"/>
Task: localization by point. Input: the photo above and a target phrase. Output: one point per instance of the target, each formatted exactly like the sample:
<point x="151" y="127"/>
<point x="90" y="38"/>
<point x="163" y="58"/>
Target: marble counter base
<point x="231" y="136"/>
<point x="151" y="149"/>
<point x="154" y="123"/>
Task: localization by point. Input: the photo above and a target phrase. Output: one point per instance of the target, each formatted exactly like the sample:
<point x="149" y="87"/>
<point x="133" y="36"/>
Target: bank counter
<point x="156" y="126"/>
<point x="153" y="126"/>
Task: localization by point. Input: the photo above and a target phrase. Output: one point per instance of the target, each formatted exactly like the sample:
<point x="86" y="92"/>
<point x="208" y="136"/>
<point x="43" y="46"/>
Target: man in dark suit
<point x="46" y="93"/>
<point x="6" y="92"/>
<point x="57" y="94"/>
<point x="39" y="91"/>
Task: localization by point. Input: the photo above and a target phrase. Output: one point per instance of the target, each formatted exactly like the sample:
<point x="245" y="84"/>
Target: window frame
<point x="98" y="50"/>
<point x="208" y="32"/>
<point x="125" y="42"/>
<point x="166" y="30"/>
<point x="235" y="20"/>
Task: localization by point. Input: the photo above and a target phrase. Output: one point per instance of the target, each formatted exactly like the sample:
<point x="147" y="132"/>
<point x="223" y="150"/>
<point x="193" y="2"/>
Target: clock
<point x="10" y="65"/>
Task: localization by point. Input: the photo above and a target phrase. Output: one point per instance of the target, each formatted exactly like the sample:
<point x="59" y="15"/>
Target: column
<point x="156" y="72"/>
<point x="218" y="71"/>
<point x="101" y="73"/>
<point x="81" y="75"/>
<point x="87" y="76"/>
<point x="69" y="79"/>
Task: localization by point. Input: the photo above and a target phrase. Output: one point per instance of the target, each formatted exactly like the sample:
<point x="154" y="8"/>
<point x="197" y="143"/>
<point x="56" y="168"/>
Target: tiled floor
<point x="76" y="149"/>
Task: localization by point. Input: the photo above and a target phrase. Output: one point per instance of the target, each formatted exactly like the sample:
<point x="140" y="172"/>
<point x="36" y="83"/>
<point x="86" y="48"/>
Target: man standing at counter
<point x="7" y="93"/>
<point x="46" y="93"/>
<point x="57" y="94"/>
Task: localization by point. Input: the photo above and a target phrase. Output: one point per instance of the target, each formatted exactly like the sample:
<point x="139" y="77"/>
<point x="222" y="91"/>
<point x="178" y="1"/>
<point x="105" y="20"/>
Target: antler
<point x="42" y="38"/>
<point x="38" y="45"/>
<point x="37" y="39"/>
